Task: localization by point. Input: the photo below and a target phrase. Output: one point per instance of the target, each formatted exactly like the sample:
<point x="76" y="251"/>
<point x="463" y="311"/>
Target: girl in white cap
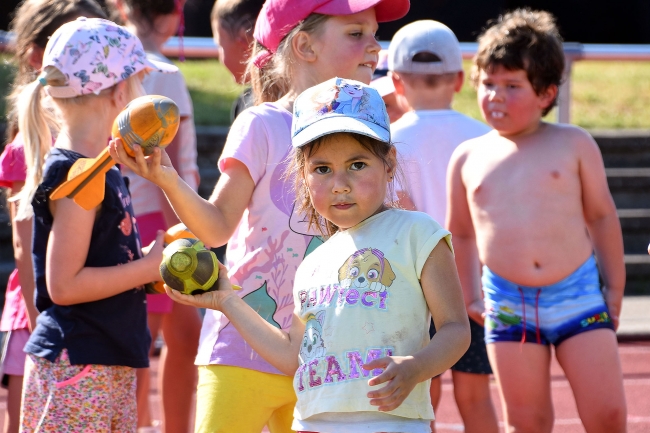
<point x="358" y="347"/>
<point x="297" y="44"/>
<point x="91" y="333"/>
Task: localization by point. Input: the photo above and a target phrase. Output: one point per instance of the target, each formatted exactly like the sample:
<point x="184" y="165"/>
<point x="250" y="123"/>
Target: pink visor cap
<point x="279" y="17"/>
<point x="95" y="54"/>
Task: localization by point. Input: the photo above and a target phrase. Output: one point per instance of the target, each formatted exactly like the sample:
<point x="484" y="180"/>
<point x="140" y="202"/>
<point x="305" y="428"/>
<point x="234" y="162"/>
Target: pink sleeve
<point x="12" y="163"/>
<point x="248" y="143"/>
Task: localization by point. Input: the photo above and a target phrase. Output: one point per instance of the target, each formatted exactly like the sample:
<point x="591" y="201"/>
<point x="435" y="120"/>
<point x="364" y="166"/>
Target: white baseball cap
<point x="339" y="105"/>
<point x="425" y="36"/>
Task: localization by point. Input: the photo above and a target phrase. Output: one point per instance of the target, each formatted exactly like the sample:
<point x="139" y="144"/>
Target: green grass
<point x="212" y="88"/>
<point x="607" y="95"/>
<point x="7" y="71"/>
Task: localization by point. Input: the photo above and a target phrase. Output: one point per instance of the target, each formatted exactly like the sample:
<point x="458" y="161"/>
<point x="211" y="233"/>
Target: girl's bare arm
<point x="442" y="292"/>
<point x="68" y="280"/>
<point x="22" y="241"/>
<point x="213" y="221"/>
<point x="279" y="348"/>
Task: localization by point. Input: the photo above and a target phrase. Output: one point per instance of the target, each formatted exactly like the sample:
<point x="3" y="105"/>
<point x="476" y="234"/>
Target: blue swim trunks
<point x="545" y="315"/>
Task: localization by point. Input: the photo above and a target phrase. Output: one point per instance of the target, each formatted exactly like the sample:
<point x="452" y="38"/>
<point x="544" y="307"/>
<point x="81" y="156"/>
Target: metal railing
<point x="195" y="47"/>
<point x="205" y="47"/>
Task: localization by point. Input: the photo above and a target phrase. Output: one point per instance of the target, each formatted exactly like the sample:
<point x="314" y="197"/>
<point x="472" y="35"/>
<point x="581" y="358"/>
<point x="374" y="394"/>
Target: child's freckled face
<point x="508" y="101"/>
<point x="347" y="182"/>
<point x="347" y="47"/>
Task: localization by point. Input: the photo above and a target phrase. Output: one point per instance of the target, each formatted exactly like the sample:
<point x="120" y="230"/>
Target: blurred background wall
<point x="587" y="21"/>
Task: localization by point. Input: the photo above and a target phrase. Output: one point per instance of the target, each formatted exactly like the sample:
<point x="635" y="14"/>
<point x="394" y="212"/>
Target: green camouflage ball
<point x="189" y="267"/>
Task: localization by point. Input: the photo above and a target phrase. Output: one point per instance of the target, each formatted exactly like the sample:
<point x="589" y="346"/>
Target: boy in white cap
<point x="425" y="64"/>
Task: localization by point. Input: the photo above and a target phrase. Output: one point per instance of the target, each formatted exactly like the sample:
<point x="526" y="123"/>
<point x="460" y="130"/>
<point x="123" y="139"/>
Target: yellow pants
<point x="240" y="400"/>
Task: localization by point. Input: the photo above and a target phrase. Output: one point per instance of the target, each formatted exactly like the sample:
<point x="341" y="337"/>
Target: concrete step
<point x="624" y="148"/>
<point x="637" y="268"/>
<point x="635" y="320"/>
<point x="630" y="192"/>
<point x="635" y="225"/>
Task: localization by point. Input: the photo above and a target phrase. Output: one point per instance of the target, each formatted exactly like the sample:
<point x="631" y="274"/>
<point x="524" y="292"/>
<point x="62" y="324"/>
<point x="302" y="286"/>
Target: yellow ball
<point x="150" y="121"/>
<point x="189" y="267"/>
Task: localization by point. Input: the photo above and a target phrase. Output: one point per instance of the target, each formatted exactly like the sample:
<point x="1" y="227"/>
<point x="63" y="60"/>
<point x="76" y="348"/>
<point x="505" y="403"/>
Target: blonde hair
<point x="273" y="81"/>
<point x="37" y="122"/>
<point x="33" y="24"/>
<point x="298" y="164"/>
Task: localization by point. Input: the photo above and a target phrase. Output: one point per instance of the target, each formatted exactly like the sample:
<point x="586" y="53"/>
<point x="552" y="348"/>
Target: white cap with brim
<point x="339" y="105"/>
<point x="425" y="36"/>
<point x="333" y="124"/>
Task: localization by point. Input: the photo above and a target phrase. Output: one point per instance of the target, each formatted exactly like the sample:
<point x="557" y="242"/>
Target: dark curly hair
<point x="527" y="40"/>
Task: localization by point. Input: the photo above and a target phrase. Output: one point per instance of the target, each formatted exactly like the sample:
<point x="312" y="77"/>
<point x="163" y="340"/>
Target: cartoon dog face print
<point x="312" y="345"/>
<point x="367" y="269"/>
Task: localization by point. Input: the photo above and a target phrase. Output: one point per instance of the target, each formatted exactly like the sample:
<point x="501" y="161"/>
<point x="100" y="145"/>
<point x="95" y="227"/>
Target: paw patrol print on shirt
<point x="366" y="269"/>
<point x="364" y="280"/>
<point x="313" y="345"/>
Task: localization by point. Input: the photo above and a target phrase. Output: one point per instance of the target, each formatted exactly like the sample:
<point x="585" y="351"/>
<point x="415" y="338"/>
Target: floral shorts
<point x="59" y="397"/>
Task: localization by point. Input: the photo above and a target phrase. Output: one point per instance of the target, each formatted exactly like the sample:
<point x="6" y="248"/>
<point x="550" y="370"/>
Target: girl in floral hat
<point x="91" y="332"/>
<point x="33" y="23"/>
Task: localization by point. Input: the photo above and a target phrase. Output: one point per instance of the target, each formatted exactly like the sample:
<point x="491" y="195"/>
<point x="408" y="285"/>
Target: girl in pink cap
<point x="297" y="44"/>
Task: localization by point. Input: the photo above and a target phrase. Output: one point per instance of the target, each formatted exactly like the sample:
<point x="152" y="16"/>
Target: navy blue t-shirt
<point x="111" y="331"/>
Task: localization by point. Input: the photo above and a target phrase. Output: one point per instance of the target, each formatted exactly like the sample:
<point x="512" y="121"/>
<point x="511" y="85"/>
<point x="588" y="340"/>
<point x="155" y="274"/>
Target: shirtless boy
<point x="530" y="201"/>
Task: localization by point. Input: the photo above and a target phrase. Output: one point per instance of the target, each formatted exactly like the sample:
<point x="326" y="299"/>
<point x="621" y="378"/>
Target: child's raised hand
<point x="401" y="375"/>
<point x="476" y="311"/>
<point x="153" y="253"/>
<point x="213" y="300"/>
<point x="614" y="303"/>
<point x="156" y="167"/>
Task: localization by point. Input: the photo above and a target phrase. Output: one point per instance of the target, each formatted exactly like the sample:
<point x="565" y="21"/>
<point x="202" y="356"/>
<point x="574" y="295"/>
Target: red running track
<point x="635" y="359"/>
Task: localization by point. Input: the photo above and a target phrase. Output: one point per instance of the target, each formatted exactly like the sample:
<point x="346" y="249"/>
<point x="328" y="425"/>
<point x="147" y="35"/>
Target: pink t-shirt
<point x="265" y="251"/>
<point x="13" y="169"/>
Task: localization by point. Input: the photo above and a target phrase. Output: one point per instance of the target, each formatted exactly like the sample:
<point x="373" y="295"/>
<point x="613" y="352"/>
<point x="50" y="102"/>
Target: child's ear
<point x="460" y="79"/>
<point x="547" y="96"/>
<point x="397" y="82"/>
<point x="121" y="9"/>
<point x="245" y="37"/>
<point x="392" y="163"/>
<point x="303" y="47"/>
<point x="118" y="95"/>
<point x="35" y="56"/>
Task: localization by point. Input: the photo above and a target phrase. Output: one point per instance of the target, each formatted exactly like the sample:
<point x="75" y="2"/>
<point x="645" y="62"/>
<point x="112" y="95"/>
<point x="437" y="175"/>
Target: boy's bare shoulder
<point x="573" y="136"/>
<point x="468" y="146"/>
